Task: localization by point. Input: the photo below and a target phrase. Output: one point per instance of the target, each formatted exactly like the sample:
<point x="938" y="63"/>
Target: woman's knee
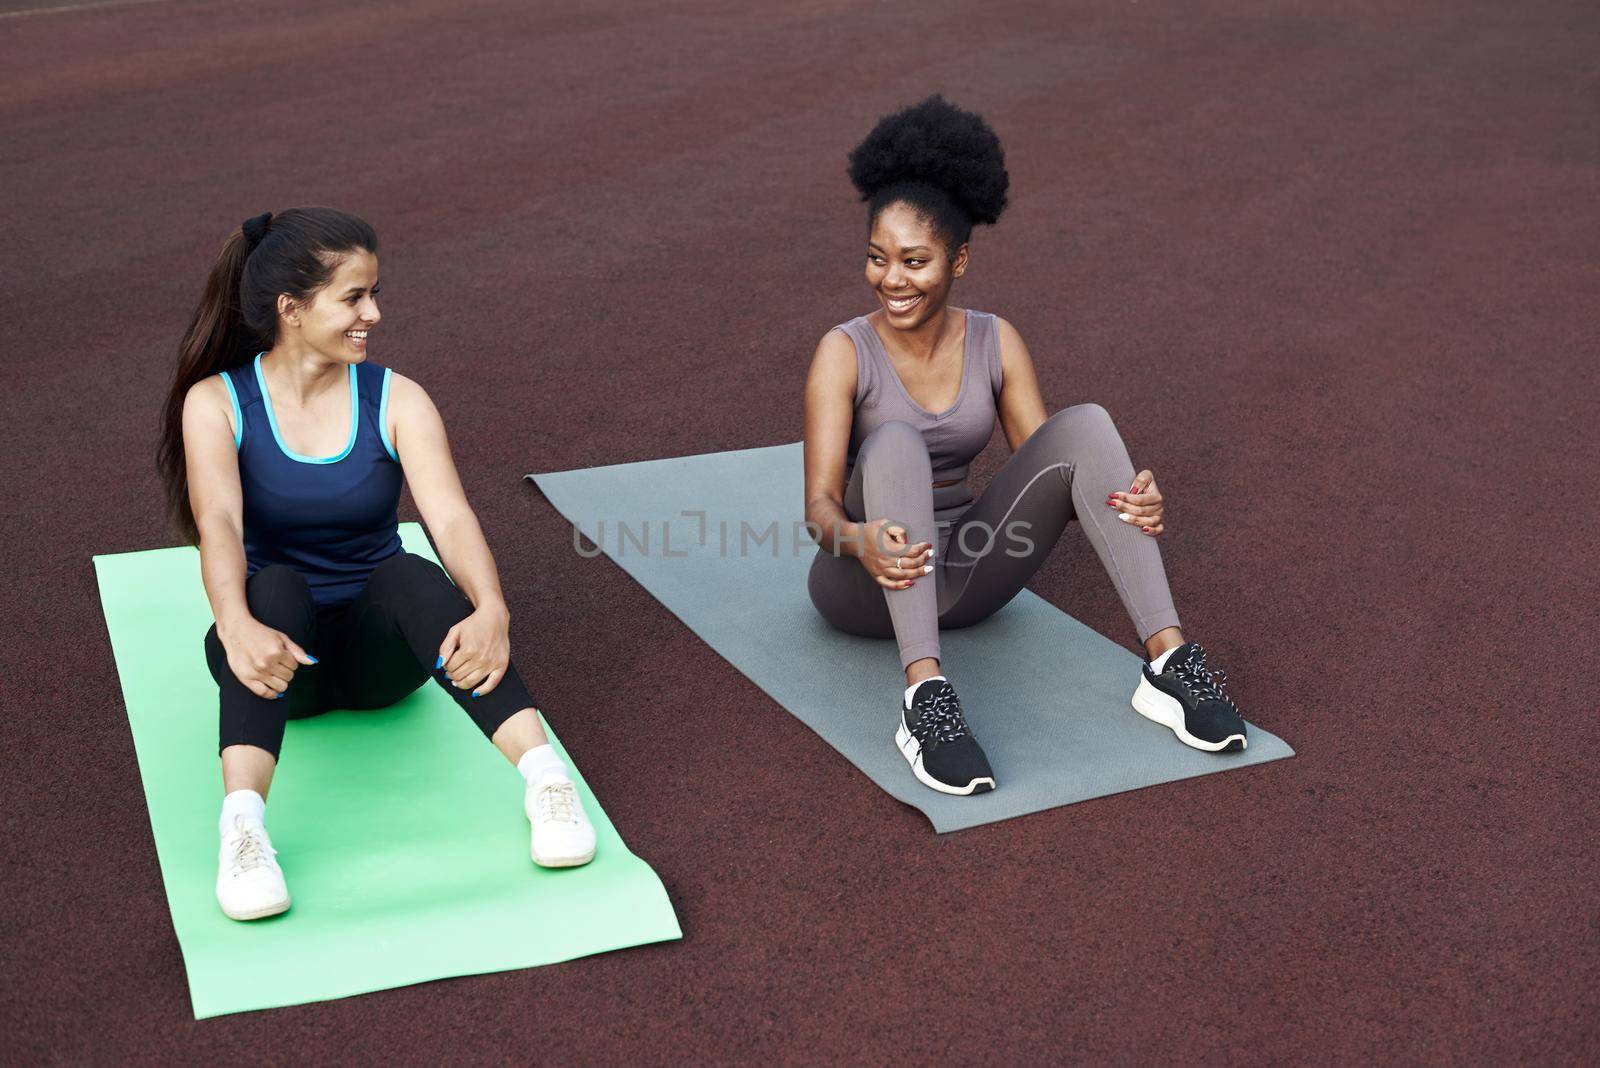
<point x="278" y="596"/>
<point x="277" y="578"/>
<point x="896" y="442"/>
<point x="408" y="571"/>
<point x="1080" y="423"/>
<point x="1084" y="415"/>
<point x="406" y="578"/>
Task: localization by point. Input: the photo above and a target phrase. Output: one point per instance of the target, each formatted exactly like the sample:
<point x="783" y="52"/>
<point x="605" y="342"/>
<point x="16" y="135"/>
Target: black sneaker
<point x="1188" y="697"/>
<point x="934" y="739"/>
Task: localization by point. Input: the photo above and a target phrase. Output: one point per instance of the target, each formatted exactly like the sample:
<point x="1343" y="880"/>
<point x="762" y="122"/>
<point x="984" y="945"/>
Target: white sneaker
<point x="249" y="882"/>
<point x="563" y="837"/>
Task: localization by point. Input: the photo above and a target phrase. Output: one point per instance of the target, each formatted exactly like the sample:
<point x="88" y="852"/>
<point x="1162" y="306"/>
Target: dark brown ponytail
<point x="293" y="253"/>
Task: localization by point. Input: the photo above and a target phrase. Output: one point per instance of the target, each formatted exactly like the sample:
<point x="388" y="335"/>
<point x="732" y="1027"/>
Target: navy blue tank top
<point x="331" y="518"/>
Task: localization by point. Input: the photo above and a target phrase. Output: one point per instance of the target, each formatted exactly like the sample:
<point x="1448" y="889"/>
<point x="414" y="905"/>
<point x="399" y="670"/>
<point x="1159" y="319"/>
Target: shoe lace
<point x="1202" y="681"/>
<point x="250" y="851"/>
<point x="558" y="802"/>
<point x="939" y="718"/>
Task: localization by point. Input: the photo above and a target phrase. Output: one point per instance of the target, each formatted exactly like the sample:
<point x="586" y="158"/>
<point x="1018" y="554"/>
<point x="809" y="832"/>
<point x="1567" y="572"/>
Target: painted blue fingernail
<point x="439" y="665"/>
<point x="313" y="659"/>
<point x="475" y="693"/>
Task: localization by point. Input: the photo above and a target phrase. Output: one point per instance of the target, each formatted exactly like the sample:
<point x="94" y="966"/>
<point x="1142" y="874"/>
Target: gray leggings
<point x="985" y="553"/>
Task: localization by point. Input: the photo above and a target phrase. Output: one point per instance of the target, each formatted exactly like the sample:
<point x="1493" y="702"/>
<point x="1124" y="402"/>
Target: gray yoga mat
<point x="718" y="540"/>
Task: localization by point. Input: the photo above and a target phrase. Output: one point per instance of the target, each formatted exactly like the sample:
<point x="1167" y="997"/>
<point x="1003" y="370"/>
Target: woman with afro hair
<point x="899" y="402"/>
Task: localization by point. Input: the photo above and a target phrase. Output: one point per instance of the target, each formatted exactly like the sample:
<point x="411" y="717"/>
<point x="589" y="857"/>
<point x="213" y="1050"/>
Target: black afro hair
<point x="944" y="162"/>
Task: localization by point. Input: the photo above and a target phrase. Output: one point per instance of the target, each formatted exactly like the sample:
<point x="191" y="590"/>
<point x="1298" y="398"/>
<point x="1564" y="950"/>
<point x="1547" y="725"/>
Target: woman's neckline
<point x="272" y="419"/>
<point x="966" y="360"/>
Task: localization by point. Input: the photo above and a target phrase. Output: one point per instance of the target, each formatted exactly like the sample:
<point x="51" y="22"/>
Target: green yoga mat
<point x="400" y="831"/>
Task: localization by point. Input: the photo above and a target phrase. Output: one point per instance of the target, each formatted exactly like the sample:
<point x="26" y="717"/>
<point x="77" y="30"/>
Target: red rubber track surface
<point x="1329" y="265"/>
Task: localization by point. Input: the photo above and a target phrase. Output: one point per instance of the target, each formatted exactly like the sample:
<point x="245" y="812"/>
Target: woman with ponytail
<point x="898" y="404"/>
<point x="283" y="452"/>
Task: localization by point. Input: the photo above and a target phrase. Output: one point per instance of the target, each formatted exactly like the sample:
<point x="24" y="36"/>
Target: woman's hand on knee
<point x="262" y="658"/>
<point x="476" y="651"/>
<point x="1141" y="504"/>
<point x="892" y="563"/>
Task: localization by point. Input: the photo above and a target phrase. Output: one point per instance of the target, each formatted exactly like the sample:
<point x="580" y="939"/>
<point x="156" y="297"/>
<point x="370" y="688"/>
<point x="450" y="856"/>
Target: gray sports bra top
<point x="954" y="436"/>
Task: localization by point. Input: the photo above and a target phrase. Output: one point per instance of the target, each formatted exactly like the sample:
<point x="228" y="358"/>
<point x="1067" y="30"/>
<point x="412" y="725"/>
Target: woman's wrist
<point x="851" y="537"/>
<point x="843" y="535"/>
<point x="494" y="608"/>
<point x="230" y="623"/>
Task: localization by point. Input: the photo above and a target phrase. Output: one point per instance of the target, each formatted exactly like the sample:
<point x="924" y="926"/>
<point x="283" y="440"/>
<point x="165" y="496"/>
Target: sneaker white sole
<point x="562" y="862"/>
<point x="259" y="913"/>
<point x="911" y="749"/>
<point x="1158" y="707"/>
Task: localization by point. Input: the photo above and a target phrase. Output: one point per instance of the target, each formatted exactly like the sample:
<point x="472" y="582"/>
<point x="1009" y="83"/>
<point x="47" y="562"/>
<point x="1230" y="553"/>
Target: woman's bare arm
<point x="1021" y="404"/>
<point x="212" y="464"/>
<point x="263" y="659"/>
<point x="830" y="411"/>
<point x="419" y="440"/>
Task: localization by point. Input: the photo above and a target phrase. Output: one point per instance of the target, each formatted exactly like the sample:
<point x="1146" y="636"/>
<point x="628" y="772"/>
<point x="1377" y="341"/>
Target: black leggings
<point x="371" y="651"/>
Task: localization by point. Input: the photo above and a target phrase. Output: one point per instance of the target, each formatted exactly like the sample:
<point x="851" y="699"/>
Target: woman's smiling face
<point x="909" y="268"/>
<point x="336" y="320"/>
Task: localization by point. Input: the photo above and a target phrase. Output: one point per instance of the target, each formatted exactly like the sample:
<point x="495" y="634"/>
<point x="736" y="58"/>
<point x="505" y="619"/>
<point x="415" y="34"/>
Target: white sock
<point x="541" y="762"/>
<point x="246" y="803"/>
<point x="913" y="689"/>
<point x="1161" y="661"/>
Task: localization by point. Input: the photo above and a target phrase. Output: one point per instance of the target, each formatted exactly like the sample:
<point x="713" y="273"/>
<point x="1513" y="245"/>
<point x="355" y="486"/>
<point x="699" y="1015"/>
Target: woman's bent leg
<point x="397" y="624"/>
<point x="250" y="884"/>
<point x="1066" y="469"/>
<point x="278" y="598"/>
<point x="893" y="480"/>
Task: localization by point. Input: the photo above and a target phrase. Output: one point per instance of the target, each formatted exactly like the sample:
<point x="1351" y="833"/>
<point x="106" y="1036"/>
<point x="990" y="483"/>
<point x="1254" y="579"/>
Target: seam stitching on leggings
<point x="1012" y="507"/>
<point x="1123" y="589"/>
<point x="972" y="568"/>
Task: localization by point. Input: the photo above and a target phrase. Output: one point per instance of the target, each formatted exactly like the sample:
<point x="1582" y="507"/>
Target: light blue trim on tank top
<point x="383" y="417"/>
<point x="272" y="420"/>
<point x="238" y="416"/>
